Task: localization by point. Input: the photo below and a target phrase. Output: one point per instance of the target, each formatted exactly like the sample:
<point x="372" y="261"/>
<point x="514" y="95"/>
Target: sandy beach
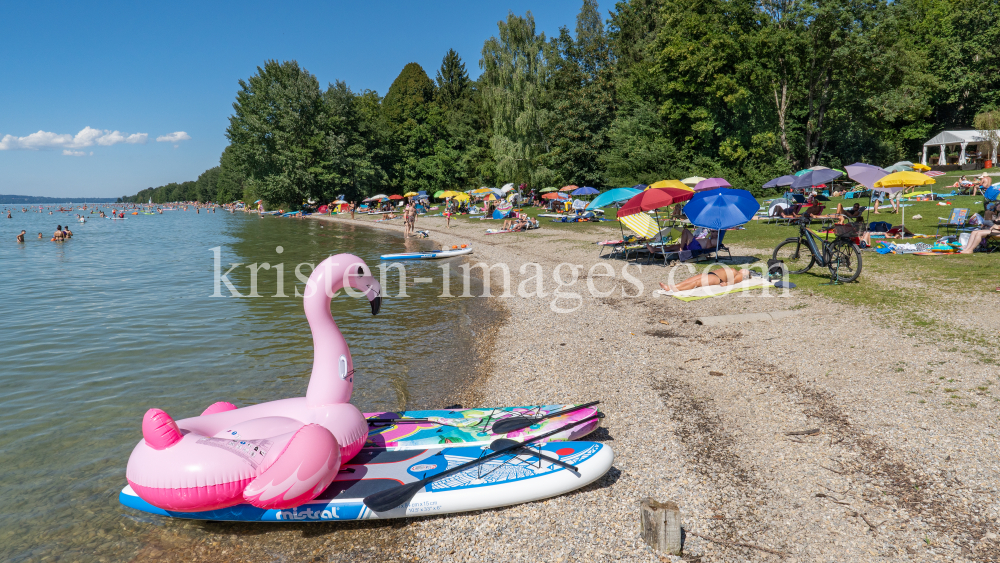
<point x="832" y="435"/>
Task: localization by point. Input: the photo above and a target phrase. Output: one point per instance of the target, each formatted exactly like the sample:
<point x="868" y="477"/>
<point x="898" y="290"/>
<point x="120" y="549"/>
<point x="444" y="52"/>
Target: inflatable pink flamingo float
<point x="278" y="454"/>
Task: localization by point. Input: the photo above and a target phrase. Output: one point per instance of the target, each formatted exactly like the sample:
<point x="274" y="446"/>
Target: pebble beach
<point x="783" y="440"/>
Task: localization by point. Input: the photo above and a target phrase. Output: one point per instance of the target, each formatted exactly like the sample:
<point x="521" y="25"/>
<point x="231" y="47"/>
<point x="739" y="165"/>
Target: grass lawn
<point x="923" y="292"/>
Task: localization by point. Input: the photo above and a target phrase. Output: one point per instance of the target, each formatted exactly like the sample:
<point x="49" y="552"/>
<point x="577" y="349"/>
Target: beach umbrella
<point x="613" y="196"/>
<point x="785" y="180"/>
<point x="450" y="193"/>
<point x="692" y="181"/>
<point x="490" y="197"/>
<point x="507" y="187"/>
<point x="641" y="224"/>
<point x="483" y="190"/>
<point x="669" y="184"/>
<point x="395" y="196"/>
<point x="461" y="197"/>
<point x="711" y="183"/>
<point x="258" y="201"/>
<point x="379" y="196"/>
<point x="555" y="195"/>
<point x="568" y="188"/>
<point x="654" y="199"/>
<point x="921" y="167"/>
<point x="901" y="166"/>
<point x="905" y="179"/>
<point x="901" y="180"/>
<point x="439" y="194"/>
<point x="409" y="194"/>
<point x="865" y="174"/>
<point x="721" y="209"/>
<point x="639" y="187"/>
<point x="338" y="202"/>
<point x="547" y="190"/>
<point x="815" y="178"/>
<point x="586" y="190"/>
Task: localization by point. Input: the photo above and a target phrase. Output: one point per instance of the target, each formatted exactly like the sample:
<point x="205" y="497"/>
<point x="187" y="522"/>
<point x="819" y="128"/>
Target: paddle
<point x="502" y="443"/>
<point x="391" y="498"/>
<point x="516" y="423"/>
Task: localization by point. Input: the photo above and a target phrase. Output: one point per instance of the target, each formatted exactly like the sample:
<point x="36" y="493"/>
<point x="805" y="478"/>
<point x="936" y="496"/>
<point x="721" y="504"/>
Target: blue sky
<point x="103" y="81"/>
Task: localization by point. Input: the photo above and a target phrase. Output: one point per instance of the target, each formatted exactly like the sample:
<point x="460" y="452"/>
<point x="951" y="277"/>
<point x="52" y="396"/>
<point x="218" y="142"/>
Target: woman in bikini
<point x="722" y="277"/>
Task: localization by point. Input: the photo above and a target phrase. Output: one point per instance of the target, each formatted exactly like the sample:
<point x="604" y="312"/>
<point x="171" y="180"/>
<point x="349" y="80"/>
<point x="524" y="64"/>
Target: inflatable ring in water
<point x="278" y="454"/>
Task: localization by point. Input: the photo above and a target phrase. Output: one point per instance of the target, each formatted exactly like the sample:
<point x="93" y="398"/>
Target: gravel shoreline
<point x="903" y="465"/>
<point x="831" y="435"/>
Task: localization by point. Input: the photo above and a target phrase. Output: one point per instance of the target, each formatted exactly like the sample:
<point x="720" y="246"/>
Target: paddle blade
<point x="391" y="498"/>
<point x="503" y="443"/>
<point x="511" y="424"/>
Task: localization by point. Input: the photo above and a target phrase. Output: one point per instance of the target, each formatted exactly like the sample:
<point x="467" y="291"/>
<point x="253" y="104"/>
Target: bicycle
<point x="840" y="255"/>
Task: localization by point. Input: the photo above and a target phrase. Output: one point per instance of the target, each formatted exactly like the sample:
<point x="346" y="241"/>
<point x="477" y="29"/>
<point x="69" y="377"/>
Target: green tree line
<point x="743" y="89"/>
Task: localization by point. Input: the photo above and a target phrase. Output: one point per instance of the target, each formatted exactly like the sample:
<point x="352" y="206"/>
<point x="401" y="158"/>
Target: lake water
<point x="121" y="318"/>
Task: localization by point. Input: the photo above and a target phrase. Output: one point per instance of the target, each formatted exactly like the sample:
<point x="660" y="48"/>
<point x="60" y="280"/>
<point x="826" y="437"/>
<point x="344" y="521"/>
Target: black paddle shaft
<point x="391" y="498"/>
<point x="506" y="442"/>
<point x="506" y="425"/>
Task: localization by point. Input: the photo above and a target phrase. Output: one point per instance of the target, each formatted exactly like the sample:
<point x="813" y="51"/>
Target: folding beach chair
<point x="958" y="220"/>
<point x="686" y="255"/>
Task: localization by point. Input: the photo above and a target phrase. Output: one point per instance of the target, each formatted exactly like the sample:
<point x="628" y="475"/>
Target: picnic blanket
<point x="715" y="290"/>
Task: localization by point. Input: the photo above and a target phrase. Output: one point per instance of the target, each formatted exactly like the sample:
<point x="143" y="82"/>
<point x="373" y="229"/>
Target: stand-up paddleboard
<point x="430" y="255"/>
<point x="506" y="480"/>
<point x="433" y="428"/>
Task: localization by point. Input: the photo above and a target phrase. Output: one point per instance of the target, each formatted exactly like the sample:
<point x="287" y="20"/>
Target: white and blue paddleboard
<point x="503" y="481"/>
<point x="429" y="255"/>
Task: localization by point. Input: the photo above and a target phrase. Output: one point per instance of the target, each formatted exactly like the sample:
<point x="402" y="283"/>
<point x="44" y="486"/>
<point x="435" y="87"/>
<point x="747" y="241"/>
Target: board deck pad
<point x="477" y="426"/>
<point x="509" y="479"/>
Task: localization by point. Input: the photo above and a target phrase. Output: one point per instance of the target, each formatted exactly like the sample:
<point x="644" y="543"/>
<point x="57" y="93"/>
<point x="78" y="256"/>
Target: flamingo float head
<point x="332" y="379"/>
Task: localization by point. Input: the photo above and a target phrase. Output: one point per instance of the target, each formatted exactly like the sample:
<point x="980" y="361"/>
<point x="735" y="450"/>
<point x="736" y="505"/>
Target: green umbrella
<point x="438" y="194"/>
<point x="547" y="190"/>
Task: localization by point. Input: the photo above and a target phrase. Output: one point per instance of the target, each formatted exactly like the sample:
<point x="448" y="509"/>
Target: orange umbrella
<point x="568" y="188"/>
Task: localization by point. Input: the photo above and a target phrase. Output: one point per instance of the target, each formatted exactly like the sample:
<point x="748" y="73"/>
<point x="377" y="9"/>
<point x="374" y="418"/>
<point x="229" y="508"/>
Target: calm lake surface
<point x="121" y="318"/>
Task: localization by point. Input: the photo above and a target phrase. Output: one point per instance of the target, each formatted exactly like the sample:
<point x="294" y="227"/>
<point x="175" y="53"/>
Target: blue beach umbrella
<point x="613" y="196"/>
<point x="586" y="190"/>
<point x="721" y="208"/>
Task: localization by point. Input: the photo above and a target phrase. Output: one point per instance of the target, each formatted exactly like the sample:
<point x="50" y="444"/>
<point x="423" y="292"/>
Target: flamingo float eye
<point x="361" y="271"/>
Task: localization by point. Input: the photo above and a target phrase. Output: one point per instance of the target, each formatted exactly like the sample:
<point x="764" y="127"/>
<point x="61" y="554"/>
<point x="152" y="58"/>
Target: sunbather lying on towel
<point x="723" y="277"/>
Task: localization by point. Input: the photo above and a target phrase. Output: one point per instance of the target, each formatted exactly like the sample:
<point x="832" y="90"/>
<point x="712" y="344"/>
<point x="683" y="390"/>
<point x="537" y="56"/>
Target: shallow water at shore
<point x="120" y="319"/>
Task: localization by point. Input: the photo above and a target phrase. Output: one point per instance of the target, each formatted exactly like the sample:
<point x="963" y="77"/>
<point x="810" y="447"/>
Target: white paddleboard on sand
<point x="503" y="481"/>
<point x="429" y="255"/>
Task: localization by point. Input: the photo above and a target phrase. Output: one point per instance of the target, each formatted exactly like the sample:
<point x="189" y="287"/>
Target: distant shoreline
<point x="27" y="199"/>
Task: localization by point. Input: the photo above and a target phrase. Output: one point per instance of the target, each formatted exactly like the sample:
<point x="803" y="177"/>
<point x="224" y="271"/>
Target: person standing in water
<point x="59" y="235"/>
<point x="20" y="237"/>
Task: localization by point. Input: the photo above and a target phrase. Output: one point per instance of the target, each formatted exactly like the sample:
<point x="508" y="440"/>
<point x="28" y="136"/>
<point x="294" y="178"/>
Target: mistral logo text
<point x="308" y="513"/>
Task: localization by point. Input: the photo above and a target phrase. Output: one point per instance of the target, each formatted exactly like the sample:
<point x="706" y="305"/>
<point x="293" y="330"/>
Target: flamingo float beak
<point x="374" y="294"/>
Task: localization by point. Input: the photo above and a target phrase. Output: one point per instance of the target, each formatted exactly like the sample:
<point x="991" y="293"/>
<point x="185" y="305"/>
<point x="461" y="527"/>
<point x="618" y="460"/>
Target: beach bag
<point x="775" y="269"/>
<point x="964" y="239"/>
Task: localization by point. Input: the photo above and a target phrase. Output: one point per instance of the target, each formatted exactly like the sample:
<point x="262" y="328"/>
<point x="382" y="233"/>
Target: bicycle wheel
<point x="796" y="255"/>
<point x="844" y="260"/>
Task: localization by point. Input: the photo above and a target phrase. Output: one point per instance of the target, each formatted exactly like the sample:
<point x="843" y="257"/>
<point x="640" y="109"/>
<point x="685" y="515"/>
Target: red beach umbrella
<point x="395" y="196"/>
<point x="654" y="198"/>
<point x="568" y="188"/>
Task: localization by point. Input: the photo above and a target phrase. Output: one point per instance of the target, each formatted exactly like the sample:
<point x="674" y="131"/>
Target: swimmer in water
<point x="20" y="237"/>
<point x="40" y="235"/>
<point x="59" y="235"/>
<point x="66" y="232"/>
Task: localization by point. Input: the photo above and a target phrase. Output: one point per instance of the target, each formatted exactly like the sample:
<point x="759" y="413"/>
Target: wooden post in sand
<point x="661" y="525"/>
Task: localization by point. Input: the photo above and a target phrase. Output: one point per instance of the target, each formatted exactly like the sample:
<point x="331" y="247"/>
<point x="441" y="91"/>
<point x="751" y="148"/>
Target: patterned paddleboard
<point x="503" y="481"/>
<point x="471" y="426"/>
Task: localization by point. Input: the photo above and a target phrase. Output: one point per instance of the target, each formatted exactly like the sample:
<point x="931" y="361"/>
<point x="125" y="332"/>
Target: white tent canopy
<point x="961" y="138"/>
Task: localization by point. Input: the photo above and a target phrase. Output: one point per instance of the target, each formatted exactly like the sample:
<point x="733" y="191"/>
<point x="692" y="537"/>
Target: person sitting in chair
<point x="977" y="237"/>
<point x="724" y="276"/>
<point x="690" y="241"/>
<point x="854" y="212"/>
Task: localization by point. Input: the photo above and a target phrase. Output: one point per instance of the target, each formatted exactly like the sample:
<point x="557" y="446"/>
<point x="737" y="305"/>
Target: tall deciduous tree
<point x="514" y="80"/>
<point x="276" y="133"/>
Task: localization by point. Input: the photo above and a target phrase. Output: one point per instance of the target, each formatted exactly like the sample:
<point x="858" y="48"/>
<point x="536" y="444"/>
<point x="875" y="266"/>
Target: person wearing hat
<point x="984" y="183"/>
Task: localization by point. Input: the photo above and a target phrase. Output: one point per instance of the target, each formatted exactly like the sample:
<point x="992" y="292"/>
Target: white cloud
<point x="67" y="152"/>
<point x="87" y="137"/>
<point x="174" y="137"/>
